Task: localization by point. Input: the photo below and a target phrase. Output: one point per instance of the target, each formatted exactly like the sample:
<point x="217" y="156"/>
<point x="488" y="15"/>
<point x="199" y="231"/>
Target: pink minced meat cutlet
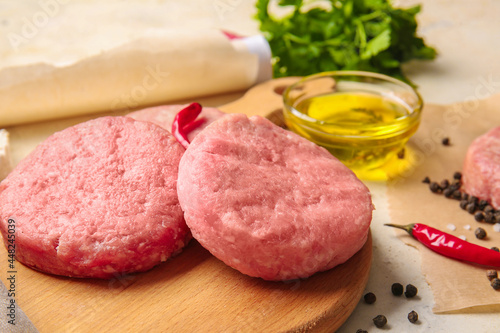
<point x="164" y="116"/>
<point x="481" y="170"/>
<point x="269" y="203"/>
<point x="97" y="199"/>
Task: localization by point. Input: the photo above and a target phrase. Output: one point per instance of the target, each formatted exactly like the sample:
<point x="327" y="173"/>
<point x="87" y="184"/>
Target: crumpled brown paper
<point x="13" y="319"/>
<point x="458" y="287"/>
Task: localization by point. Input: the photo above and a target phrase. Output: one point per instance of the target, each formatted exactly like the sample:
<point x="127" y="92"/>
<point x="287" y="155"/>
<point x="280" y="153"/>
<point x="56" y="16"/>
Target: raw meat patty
<point x="97" y="199"/>
<point x="164" y="116"/>
<point x="268" y="202"/>
<point x="481" y="171"/>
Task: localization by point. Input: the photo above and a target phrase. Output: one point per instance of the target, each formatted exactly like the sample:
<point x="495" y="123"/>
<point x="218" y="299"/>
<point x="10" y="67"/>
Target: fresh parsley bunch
<point x="368" y="35"/>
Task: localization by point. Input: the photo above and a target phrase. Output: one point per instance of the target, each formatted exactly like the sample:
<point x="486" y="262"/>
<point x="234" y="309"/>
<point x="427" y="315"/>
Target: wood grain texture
<point x="195" y="292"/>
<point x="191" y="292"/>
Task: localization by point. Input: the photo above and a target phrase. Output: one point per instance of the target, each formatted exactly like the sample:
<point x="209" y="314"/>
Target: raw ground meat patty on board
<point x="481" y="171"/>
<point x="269" y="203"/>
<point x="164" y="116"/>
<point x="97" y="199"/>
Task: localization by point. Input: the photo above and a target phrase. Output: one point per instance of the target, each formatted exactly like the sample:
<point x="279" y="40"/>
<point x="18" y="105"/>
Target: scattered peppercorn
<point x="488" y="209"/>
<point x="361" y="331"/>
<point x="370" y="298"/>
<point x="448" y="192"/>
<point x="445" y="141"/>
<point x="482" y="204"/>
<point x="455" y="185"/>
<point x="494" y="248"/>
<point x="463" y="204"/>
<point x="457" y="195"/>
<point x="381" y="320"/>
<point x="481" y="209"/>
<point x="413" y="317"/>
<point x="480" y="233"/>
<point x="479" y="216"/>
<point x="495" y="283"/>
<point x="489" y="217"/>
<point x="397" y="289"/>
<point x="411" y="291"/>
<point x="435" y="188"/>
<point x="471" y="208"/>
<point x="473" y="199"/>
<point x="491" y="274"/>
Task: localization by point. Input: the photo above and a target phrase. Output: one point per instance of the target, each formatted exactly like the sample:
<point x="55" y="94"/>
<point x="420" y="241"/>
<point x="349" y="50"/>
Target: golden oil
<point x="363" y="130"/>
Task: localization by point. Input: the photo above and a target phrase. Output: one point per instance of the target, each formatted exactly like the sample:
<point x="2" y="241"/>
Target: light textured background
<point x="465" y="33"/>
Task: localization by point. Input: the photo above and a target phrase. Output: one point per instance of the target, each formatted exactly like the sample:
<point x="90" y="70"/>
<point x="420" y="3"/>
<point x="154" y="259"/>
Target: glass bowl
<point x="362" y="118"/>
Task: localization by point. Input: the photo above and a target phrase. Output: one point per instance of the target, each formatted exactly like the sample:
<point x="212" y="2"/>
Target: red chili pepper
<point x="451" y="246"/>
<point x="184" y="122"/>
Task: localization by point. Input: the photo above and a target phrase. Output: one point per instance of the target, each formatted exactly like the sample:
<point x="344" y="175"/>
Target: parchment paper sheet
<point x="20" y="323"/>
<point x="159" y="67"/>
<point x="457" y="286"/>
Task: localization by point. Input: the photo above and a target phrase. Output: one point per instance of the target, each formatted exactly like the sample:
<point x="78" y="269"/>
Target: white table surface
<point x="466" y="34"/>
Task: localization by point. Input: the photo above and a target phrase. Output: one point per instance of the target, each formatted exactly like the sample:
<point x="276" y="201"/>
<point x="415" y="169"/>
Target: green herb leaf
<point x="347" y="34"/>
<point x="377" y="44"/>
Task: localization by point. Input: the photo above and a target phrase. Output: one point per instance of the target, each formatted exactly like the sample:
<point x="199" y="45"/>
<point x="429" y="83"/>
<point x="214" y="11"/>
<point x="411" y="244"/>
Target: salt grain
<point x="452" y="227"/>
<point x="462" y="237"/>
<point x="496" y="227"/>
<point x="467" y="227"/>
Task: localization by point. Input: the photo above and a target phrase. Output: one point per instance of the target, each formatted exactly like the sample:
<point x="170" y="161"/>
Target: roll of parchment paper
<point x="159" y="67"/>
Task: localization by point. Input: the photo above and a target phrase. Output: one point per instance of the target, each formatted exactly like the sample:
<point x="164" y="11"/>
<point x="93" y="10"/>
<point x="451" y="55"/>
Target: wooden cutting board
<point x="195" y="292"/>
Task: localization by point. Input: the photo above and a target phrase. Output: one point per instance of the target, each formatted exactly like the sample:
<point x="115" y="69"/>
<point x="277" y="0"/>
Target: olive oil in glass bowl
<point x="362" y="118"/>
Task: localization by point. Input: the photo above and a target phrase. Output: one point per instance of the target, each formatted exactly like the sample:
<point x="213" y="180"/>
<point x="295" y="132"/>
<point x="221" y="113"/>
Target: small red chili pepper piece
<point x="451" y="246"/>
<point x="184" y="122"/>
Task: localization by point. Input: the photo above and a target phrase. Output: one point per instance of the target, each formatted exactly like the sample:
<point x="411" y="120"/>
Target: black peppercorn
<point x="445" y="141"/>
<point x="489" y="209"/>
<point x="413" y="317"/>
<point x="397" y="289"/>
<point x="463" y="204"/>
<point x="471" y="208"/>
<point x="361" y="331"/>
<point x="435" y="188"/>
<point x="495" y="283"/>
<point x="496" y="215"/>
<point x="489" y="217"/>
<point x="411" y="291"/>
<point x="455" y="186"/>
<point x="482" y="204"/>
<point x="444" y="183"/>
<point x="465" y="196"/>
<point x="494" y="248"/>
<point x="457" y="175"/>
<point x="480" y="233"/>
<point x="448" y="192"/>
<point x="479" y="216"/>
<point x="473" y="199"/>
<point x="426" y="180"/>
<point x="457" y="195"/>
<point x="380" y="321"/>
<point x="491" y="274"/>
<point x="370" y="298"/>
